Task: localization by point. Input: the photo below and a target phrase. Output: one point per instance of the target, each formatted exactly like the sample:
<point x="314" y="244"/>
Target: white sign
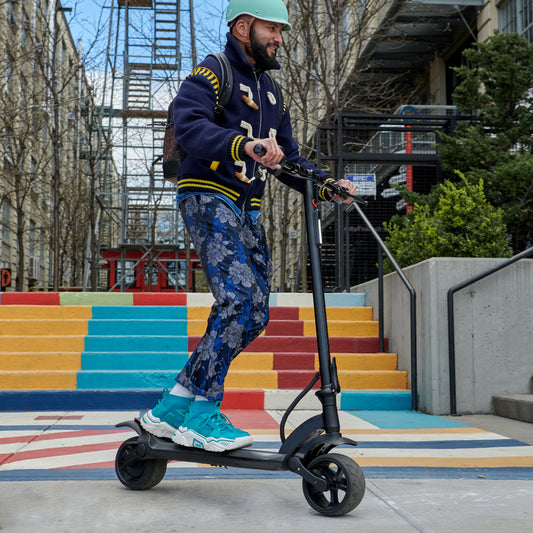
<point x="365" y="183"/>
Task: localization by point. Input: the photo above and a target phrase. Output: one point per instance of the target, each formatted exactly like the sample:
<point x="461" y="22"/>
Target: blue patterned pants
<point x="236" y="262"/>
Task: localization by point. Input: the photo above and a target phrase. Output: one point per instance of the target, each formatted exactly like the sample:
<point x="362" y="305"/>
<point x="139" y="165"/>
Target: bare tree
<point x="42" y="122"/>
<point x="321" y="76"/>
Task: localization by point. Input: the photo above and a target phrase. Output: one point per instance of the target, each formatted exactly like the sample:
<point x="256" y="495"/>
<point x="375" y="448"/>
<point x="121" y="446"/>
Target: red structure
<point x="160" y="270"/>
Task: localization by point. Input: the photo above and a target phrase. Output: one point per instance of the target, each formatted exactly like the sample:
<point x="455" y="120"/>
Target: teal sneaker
<point x="207" y="428"/>
<point x="167" y="416"/>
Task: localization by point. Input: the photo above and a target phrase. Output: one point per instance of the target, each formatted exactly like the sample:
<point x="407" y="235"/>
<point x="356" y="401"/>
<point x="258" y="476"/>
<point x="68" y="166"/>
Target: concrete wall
<point x="493" y="330"/>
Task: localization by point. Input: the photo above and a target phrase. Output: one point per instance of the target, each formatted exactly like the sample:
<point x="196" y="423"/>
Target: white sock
<point x="180" y="390"/>
<point x="199" y="398"/>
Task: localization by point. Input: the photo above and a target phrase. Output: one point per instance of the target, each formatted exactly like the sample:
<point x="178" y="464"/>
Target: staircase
<point x="121" y="356"/>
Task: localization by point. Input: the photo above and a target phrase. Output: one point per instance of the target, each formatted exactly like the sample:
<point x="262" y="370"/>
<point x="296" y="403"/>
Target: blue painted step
<point x="373" y="400"/>
<point x="133" y="360"/>
<point x="132" y="343"/>
<point x="136" y="326"/>
<point x="108" y="379"/>
<point x="160" y="312"/>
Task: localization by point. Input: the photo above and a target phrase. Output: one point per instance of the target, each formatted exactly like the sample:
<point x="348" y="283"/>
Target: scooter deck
<point x="160" y="448"/>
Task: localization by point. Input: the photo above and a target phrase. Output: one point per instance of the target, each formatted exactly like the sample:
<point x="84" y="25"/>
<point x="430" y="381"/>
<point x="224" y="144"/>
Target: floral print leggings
<point x="236" y="261"/>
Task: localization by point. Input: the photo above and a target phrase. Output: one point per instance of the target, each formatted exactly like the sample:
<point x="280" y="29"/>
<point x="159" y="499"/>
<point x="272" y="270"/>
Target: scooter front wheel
<point x="133" y="471"/>
<point x="345" y="480"/>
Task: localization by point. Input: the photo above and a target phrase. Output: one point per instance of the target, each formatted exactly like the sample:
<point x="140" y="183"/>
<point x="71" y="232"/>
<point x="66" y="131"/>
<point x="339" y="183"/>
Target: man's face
<point x="265" y="39"/>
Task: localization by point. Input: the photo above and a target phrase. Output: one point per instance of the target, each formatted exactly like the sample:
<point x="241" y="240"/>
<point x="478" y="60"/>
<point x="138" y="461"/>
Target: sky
<point x="89" y="21"/>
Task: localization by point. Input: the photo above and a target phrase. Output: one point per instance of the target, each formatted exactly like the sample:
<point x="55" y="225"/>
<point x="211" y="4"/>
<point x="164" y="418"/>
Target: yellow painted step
<point x="198" y="313"/>
<point x="372" y="379"/>
<point x="253" y="361"/>
<point x="339" y="313"/>
<point x="251" y="379"/>
<point x="46" y="311"/>
<point x="40" y="361"/>
<point x="34" y="380"/>
<point x="43" y="326"/>
<point x="42" y="343"/>
<point x="341" y="328"/>
<point x="364" y="361"/>
<point x="196" y="327"/>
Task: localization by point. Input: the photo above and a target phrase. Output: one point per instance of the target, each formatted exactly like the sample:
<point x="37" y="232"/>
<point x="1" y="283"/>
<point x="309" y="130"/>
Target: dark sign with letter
<point x="5" y="278"/>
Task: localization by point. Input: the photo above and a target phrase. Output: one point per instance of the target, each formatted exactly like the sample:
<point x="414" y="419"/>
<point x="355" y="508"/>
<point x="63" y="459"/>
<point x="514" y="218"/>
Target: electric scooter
<point x="333" y="484"/>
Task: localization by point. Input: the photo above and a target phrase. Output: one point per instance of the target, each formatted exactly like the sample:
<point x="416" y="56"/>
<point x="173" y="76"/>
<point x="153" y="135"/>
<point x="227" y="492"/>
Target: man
<point x="220" y="189"/>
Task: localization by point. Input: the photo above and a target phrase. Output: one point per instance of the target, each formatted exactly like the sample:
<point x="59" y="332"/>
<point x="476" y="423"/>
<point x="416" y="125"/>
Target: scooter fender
<point x="132" y="424"/>
<point x="323" y="444"/>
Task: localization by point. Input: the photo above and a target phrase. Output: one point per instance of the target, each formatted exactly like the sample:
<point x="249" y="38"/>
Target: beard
<point x="260" y="53"/>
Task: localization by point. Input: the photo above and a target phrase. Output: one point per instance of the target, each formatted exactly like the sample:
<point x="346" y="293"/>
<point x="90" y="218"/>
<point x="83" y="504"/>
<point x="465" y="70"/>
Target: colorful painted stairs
<point x="80" y="353"/>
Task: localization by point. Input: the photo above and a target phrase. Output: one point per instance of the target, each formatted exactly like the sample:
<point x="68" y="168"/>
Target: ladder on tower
<point x="158" y="48"/>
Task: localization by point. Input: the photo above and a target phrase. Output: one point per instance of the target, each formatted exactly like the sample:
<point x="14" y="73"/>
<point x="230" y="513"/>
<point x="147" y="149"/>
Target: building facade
<point x="53" y="149"/>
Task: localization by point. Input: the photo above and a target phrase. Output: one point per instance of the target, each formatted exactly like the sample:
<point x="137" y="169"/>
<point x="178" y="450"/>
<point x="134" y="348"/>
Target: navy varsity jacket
<point x="215" y="161"/>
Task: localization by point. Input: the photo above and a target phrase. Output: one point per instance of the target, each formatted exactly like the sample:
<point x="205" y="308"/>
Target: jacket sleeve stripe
<point x="235" y="148"/>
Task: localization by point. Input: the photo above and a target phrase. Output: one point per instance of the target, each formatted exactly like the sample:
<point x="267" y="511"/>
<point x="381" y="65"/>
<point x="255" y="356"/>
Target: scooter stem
<point x="328" y="392"/>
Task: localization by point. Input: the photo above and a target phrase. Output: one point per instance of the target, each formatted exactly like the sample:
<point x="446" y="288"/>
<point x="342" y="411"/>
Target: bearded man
<point x="220" y="190"/>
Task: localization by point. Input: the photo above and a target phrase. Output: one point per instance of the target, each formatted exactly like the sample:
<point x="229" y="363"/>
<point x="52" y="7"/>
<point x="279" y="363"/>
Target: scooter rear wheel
<point x="133" y="471"/>
<point x="346" y="484"/>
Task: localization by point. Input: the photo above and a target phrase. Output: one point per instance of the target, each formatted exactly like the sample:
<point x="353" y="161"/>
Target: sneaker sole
<point x="191" y="439"/>
<point x="157" y="427"/>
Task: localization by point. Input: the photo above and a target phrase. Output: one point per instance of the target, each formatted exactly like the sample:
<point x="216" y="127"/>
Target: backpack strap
<point x="226" y="82"/>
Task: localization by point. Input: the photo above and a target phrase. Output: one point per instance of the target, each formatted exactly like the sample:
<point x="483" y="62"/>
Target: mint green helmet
<point x="271" y="10"/>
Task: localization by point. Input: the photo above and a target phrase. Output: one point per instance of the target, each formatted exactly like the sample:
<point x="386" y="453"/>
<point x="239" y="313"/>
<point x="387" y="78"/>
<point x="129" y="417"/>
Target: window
<point x="517" y="16"/>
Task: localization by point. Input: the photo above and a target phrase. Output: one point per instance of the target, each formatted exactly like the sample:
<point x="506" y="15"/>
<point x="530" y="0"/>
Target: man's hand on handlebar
<point x="268" y="153"/>
<point x="347" y="184"/>
<point x="272" y="155"/>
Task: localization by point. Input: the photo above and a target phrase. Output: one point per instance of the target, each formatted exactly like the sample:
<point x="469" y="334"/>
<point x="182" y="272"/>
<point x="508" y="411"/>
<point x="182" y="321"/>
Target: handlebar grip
<point x="259" y="149"/>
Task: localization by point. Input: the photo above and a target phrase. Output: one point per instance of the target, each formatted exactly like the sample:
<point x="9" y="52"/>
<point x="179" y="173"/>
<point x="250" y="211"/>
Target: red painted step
<point x="284" y="313"/>
<point x="159" y="298"/>
<point x="285" y="328"/>
<point x="30" y="298"/>
<point x="292" y="344"/>
<point x="292" y="361"/>
<point x="243" y="399"/>
<point x="296" y="379"/>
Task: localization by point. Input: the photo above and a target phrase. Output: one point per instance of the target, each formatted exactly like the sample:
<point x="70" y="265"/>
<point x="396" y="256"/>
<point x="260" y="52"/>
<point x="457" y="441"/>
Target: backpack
<point x="173" y="155"/>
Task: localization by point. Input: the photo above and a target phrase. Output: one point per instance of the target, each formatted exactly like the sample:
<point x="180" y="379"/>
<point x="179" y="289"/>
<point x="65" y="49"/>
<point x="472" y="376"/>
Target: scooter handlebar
<point x="300" y="171"/>
<point x="259" y="150"/>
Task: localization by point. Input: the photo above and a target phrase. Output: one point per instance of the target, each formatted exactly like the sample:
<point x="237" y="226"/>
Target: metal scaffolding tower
<point x="151" y="43"/>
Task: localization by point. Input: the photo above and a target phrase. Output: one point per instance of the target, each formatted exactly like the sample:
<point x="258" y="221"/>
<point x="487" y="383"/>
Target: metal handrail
<point x="451" y="319"/>
<point x="298" y="171"/>
<point x="412" y="299"/>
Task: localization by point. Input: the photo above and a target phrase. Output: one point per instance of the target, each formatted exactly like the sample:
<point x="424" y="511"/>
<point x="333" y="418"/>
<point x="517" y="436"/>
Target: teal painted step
<point x="375" y="400"/>
<point x="135" y="326"/>
<point x="123" y="312"/>
<point x="132" y="343"/>
<point x="156" y="379"/>
<point x="133" y="360"/>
